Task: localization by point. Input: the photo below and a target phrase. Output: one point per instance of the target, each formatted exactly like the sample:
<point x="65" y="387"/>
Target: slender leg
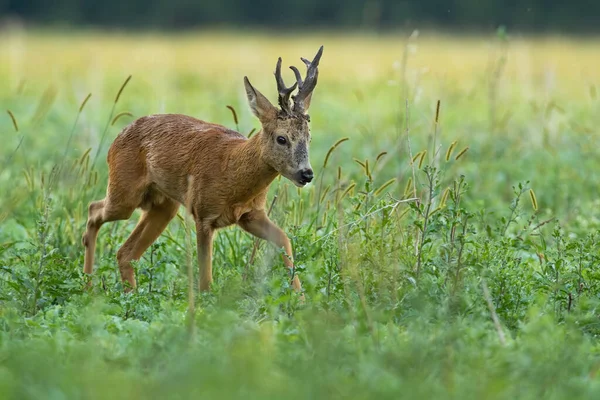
<point x="204" y="236"/>
<point x="148" y="229"/>
<point x="100" y="212"/>
<point x="258" y="223"/>
<point x="124" y="193"/>
<point x="90" y="235"/>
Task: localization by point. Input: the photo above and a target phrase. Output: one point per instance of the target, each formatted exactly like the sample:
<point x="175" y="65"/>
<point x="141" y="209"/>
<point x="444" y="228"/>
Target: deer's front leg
<point x="204" y="236"/>
<point x="258" y="223"/>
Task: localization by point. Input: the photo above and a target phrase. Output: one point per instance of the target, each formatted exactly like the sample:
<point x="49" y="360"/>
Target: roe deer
<point x="161" y="161"/>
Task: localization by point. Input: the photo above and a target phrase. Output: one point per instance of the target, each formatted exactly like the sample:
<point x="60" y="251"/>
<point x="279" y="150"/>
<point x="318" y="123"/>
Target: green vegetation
<point x="447" y="250"/>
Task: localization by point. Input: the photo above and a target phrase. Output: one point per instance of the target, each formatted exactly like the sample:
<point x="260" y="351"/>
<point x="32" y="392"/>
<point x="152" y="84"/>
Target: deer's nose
<point x="307" y="175"/>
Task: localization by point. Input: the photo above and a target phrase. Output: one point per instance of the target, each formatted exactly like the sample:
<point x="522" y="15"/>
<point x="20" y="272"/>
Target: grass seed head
<point x="119" y="115"/>
<point x="380" y="155"/>
<point x="122" y="88"/>
<point x="84" y="102"/>
<point x="408" y="187"/>
<point x="444" y="197"/>
<point x="462" y="152"/>
<point x="385" y="185"/>
<point x="336" y="144"/>
<point x="422" y="158"/>
<point x="450" y="150"/>
<point x="534" y="202"/>
<point x="14" y="120"/>
<point x="348" y="189"/>
<point x="235" y="118"/>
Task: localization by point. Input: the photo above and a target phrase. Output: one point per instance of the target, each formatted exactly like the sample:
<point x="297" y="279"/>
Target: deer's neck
<point x="251" y="173"/>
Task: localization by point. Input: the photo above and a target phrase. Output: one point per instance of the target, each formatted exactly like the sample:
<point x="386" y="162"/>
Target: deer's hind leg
<point x="122" y="198"/>
<point x="153" y="221"/>
<point x="100" y="212"/>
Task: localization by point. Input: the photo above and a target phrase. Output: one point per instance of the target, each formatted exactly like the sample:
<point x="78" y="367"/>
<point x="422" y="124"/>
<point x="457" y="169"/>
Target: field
<point x="448" y="248"/>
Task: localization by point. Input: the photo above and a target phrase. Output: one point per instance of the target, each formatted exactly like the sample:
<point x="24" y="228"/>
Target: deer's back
<point x="171" y="149"/>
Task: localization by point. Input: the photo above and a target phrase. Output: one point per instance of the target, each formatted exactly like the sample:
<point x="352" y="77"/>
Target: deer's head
<point x="285" y="134"/>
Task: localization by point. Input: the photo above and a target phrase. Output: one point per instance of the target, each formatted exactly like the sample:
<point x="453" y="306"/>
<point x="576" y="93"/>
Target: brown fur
<point x="161" y="161"/>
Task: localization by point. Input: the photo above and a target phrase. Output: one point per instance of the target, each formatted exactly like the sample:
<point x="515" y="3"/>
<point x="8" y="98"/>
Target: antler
<point x="306" y="87"/>
<point x="284" y="92"/>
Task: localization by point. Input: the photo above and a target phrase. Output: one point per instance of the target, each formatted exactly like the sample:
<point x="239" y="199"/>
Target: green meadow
<point x="448" y="246"/>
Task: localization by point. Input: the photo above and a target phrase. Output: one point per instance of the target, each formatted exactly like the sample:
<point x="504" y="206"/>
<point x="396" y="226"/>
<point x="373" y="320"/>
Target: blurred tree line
<point x="524" y="15"/>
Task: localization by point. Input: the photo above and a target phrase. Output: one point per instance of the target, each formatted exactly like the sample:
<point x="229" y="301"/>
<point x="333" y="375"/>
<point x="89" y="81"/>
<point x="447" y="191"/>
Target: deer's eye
<point x="281" y="140"/>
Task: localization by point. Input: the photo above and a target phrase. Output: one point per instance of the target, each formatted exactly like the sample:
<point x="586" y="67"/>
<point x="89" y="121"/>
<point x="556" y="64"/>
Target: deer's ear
<point x="259" y="104"/>
<point x="307" y="101"/>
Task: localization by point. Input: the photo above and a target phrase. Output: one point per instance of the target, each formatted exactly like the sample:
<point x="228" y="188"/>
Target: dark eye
<point x="281" y="140"/>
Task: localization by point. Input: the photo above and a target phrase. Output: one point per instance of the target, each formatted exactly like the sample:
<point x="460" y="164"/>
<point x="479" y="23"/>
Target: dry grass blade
<point x="322" y="174"/>
<point x="415" y="158"/>
<point x="362" y="164"/>
<point x="385" y="185"/>
<point x="235" y="117"/>
<point x="435" y="210"/>
<point x="110" y="118"/>
<point x="436" y="124"/>
<point x="85" y="156"/>
<point x="379" y="157"/>
<point x="348" y="189"/>
<point x="84" y="102"/>
<point x="422" y="158"/>
<point x="324" y="193"/>
<point x="122" y="88"/>
<point x="461" y="153"/>
<point x="9" y="159"/>
<point x="72" y="133"/>
<point x="14" y="120"/>
<point x="119" y="115"/>
<point x="332" y="148"/>
<point x="450" y="150"/>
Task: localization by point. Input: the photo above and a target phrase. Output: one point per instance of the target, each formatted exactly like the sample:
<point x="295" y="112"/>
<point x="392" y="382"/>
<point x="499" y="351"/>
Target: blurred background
<point x="579" y="16"/>
<point x="487" y="111"/>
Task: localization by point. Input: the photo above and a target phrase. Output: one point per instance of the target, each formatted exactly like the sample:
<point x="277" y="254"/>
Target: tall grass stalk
<point x="108" y="122"/>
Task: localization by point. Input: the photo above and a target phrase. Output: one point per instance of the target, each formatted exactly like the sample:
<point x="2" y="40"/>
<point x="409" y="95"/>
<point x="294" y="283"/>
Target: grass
<point x="465" y="267"/>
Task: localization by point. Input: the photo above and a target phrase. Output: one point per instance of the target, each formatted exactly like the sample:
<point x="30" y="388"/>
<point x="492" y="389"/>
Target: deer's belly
<point x="231" y="216"/>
